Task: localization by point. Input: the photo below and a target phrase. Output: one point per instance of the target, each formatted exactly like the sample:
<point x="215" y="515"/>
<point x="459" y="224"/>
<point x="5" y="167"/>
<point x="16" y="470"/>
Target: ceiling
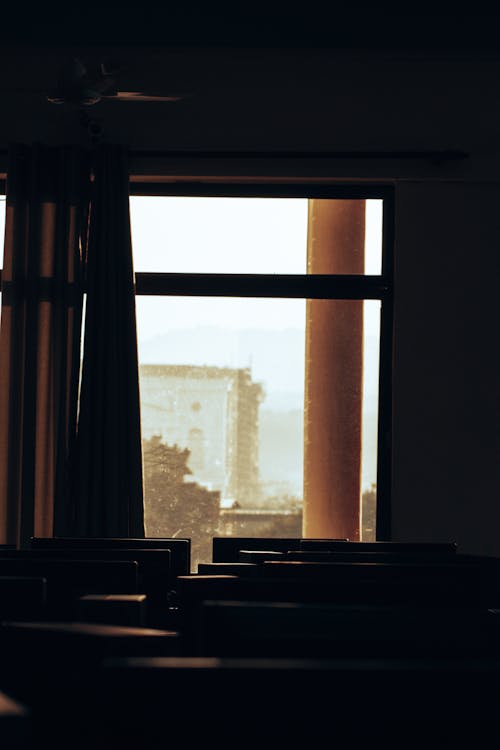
<point x="262" y="81"/>
<point x="274" y="23"/>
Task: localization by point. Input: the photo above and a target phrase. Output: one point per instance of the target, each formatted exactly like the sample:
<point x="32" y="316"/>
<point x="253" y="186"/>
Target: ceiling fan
<point x="83" y="86"/>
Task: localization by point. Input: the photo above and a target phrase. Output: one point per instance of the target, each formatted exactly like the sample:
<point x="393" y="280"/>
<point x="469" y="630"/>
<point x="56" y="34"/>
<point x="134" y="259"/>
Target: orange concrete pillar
<point x="334" y="376"/>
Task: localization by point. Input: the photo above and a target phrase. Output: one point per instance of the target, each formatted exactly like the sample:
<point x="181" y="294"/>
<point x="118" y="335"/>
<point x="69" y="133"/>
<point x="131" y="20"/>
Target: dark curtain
<point x="40" y="336"/>
<point x="108" y="490"/>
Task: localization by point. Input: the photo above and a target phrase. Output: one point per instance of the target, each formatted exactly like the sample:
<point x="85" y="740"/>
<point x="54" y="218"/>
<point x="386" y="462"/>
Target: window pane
<point x="255" y="235"/>
<point x="222" y="403"/>
<point x="2" y="238"/>
<point x="371" y="357"/>
<point x="2" y="227"/>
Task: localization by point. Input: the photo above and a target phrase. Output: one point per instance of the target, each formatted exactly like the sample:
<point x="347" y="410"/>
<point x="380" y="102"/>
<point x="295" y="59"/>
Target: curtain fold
<point x="47" y="190"/>
<point x="108" y="489"/>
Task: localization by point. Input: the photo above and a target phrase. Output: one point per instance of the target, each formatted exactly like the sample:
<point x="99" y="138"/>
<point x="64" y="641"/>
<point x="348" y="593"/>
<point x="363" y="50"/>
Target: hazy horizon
<point x="276" y="360"/>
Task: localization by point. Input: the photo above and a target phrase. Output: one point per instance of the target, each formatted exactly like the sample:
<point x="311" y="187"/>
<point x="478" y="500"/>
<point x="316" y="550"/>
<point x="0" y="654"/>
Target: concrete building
<point x="214" y="412"/>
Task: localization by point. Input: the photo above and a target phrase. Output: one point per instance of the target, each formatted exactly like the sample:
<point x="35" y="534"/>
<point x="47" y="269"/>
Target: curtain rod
<point x="443" y="155"/>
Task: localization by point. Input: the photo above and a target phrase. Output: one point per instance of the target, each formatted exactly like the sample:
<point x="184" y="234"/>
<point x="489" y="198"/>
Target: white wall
<point x="446" y="365"/>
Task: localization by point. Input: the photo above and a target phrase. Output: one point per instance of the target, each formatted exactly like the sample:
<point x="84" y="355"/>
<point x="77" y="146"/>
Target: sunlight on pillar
<point x="334" y="376"/>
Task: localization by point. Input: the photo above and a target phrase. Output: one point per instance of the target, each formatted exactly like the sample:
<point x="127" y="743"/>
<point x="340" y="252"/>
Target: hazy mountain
<point x="281" y="440"/>
<point x="275" y="357"/>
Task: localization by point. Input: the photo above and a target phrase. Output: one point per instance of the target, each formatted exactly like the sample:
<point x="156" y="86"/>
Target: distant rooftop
<point x="196" y="371"/>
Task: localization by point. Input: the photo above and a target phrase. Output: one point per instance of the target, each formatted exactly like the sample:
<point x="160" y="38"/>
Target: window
<point x="264" y="330"/>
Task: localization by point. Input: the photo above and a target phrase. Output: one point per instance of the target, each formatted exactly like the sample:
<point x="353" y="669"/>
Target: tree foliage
<point x="174" y="507"/>
<point x="369" y="513"/>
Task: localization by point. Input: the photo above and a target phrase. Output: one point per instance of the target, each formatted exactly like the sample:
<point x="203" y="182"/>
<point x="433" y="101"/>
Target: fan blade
<point x="72" y="72"/>
<point x="138" y="96"/>
<point x="77" y="68"/>
<point x="55" y="100"/>
<point x="105" y="85"/>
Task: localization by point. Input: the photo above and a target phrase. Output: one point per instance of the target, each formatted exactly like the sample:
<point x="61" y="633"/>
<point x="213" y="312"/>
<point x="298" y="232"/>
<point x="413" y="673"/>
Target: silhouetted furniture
<point x="42" y="660"/>
<point x="333" y="642"/>
<point x="15" y="725"/>
<point x="68" y="579"/>
<point x="227" y="548"/>
<point x="414" y="550"/>
<point x="258" y="556"/>
<point x="464" y="582"/>
<point x="378" y="583"/>
<point x="113" y="609"/>
<point x="427" y="585"/>
<point x="154" y="571"/>
<point x="359" y="555"/>
<point x="22" y="597"/>
<point x="180" y="549"/>
<point x="222" y="568"/>
<point x="283" y="702"/>
<point x="313" y="630"/>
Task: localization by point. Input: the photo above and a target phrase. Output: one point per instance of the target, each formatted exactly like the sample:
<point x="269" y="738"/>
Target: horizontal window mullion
<point x="262" y="285"/>
<point x="239" y="189"/>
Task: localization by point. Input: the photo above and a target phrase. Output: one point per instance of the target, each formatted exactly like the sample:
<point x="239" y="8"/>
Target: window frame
<point x="305" y="286"/>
